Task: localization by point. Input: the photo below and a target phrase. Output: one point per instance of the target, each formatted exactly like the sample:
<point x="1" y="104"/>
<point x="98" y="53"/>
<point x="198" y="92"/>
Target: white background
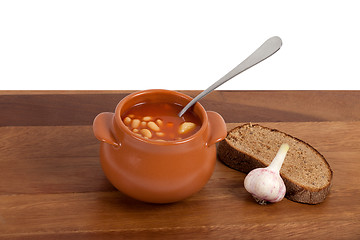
<point x="183" y="45"/>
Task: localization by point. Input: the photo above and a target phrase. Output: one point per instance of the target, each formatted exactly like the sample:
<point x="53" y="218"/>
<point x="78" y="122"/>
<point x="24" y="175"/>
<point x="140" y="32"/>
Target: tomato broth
<point x="160" y="121"/>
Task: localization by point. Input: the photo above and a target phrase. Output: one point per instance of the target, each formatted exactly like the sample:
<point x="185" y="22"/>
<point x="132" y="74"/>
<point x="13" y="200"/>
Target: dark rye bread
<point x="306" y="173"/>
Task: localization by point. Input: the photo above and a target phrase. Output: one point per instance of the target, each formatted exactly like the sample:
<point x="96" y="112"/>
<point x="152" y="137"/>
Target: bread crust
<point x="243" y="162"/>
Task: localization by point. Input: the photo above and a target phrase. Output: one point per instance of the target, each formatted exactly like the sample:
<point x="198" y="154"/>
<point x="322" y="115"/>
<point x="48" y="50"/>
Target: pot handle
<point x="217" y="128"/>
<point x="103" y="128"/>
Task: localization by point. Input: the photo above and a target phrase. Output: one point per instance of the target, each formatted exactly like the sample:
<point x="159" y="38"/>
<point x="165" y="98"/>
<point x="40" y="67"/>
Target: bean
<point x="186" y="127"/>
<point x="160" y="134"/>
<point x="135" y="130"/>
<point x="131" y="115"/>
<point x="138" y="134"/>
<point x="147" y="118"/>
<point x="146" y="133"/>
<point x="135" y="123"/>
<point x="159" y="122"/>
<point x="143" y="124"/>
<point x="127" y="120"/>
<point x="153" y="126"/>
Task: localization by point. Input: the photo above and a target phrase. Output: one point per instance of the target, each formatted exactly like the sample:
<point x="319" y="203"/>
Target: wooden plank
<point x="66" y="92"/>
<point x="65" y="158"/>
<point x="52" y="186"/>
<point x="224" y="210"/>
<point x="54" y="110"/>
<point x="221" y="207"/>
<point x="76" y="108"/>
<point x="309" y="105"/>
<point x="50" y="160"/>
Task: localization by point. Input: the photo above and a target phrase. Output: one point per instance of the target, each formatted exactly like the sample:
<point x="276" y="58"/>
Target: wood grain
<point x="68" y="108"/>
<point x="52" y="187"/>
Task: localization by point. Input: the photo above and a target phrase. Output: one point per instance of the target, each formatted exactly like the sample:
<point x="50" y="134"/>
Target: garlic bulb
<point x="265" y="184"/>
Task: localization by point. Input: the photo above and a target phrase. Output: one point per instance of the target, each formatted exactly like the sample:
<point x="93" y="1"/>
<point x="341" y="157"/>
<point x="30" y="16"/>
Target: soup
<point x="160" y="121"/>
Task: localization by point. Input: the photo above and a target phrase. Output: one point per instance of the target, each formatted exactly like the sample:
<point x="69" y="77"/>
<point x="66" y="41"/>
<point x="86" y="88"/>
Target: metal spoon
<point x="268" y="48"/>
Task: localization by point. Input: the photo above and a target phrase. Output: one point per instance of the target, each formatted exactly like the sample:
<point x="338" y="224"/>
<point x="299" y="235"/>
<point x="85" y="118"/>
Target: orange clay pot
<point x="152" y="171"/>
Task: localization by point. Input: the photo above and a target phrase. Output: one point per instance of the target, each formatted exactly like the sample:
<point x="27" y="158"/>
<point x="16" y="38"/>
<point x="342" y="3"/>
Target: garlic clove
<point x="266" y="184"/>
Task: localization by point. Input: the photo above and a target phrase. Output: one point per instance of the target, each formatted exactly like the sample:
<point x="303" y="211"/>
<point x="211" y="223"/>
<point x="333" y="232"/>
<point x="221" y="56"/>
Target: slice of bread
<point x="306" y="173"/>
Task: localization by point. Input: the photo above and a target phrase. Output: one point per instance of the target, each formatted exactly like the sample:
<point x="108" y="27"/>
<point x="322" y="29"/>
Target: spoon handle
<point x="268" y="48"/>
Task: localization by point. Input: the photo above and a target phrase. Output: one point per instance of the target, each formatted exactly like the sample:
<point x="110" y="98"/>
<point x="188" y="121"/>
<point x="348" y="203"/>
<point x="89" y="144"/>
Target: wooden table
<point x="52" y="185"/>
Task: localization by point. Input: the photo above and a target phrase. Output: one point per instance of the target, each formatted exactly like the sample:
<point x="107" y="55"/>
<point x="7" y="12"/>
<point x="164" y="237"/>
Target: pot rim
<point x="124" y="128"/>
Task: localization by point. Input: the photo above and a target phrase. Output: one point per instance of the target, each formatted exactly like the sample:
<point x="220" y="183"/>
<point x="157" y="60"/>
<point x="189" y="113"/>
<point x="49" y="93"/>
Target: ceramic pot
<point x="154" y="171"/>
